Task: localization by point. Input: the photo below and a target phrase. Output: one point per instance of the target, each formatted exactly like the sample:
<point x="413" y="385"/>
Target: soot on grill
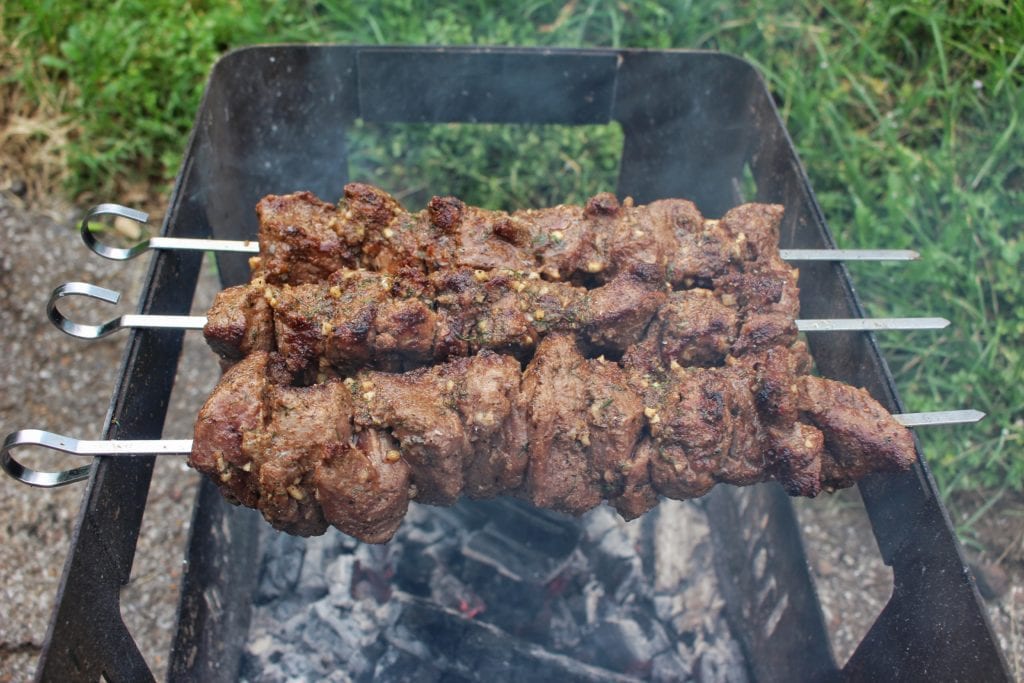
<point x="493" y="591"/>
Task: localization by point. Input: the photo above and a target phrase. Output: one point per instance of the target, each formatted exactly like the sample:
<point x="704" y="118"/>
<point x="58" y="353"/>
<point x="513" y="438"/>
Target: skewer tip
<point x="945" y="417"/>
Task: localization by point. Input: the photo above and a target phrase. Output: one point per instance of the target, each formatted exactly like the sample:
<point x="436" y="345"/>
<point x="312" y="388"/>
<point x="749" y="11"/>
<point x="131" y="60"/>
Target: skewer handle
<point x="173" y="243"/>
<point x="66" y="444"/>
<point x="83" y="331"/>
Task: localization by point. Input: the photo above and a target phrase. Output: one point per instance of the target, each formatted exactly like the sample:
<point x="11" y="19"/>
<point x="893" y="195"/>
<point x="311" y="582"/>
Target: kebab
<point x="359" y="317"/>
<point x="300" y="240"/>
<point x="72" y="445"/>
<point x="565" y="434"/>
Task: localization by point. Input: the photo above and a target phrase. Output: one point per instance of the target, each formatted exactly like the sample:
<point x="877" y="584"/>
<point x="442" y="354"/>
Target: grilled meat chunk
<point x="860" y="434"/>
<point x="566" y="433"/>
<point x="303" y="239"/>
<point x="357" y="318"/>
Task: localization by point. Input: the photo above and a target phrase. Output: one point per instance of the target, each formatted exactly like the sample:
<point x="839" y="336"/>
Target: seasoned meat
<point x="240" y="322"/>
<point x="860" y="435"/>
<point x="303" y="239"/>
<point x="695" y="327"/>
<point x="698" y="379"/>
<point x="566" y="433"/>
<point x="495" y="427"/>
<point x="363" y="486"/>
<point x="358" y="318"/>
<point x="553" y="396"/>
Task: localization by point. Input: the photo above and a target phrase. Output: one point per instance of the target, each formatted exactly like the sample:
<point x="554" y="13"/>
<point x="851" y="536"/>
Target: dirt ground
<point x="54" y="382"/>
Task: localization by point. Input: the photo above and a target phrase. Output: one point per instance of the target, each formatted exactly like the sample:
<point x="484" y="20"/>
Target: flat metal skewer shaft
<point x="142" y="447"/>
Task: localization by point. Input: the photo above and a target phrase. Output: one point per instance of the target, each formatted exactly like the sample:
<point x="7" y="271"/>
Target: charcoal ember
<point x="448" y="591"/>
<point x="722" y="663"/>
<point x="618" y="564"/>
<point x="404" y="667"/>
<point x="523" y="543"/>
<point x="338" y="577"/>
<point x="674" y="664"/>
<point x="282" y="564"/>
<point x="373" y="571"/>
<point x="311" y="582"/>
<point x="626" y="643"/>
<point x="498" y="590"/>
<point x="476" y="650"/>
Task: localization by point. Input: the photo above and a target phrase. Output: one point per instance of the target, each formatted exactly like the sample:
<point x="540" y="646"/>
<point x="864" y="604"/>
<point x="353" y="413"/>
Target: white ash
<point x="496" y="590"/>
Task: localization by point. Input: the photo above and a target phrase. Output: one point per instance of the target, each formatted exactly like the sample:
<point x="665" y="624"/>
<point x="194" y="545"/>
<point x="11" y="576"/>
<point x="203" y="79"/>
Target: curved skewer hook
<point x="27" y="475"/>
<point x="67" y="444"/>
<point x="127" y="321"/>
<point x="168" y="243"/>
<point x="78" y="329"/>
<point x="107" y="251"/>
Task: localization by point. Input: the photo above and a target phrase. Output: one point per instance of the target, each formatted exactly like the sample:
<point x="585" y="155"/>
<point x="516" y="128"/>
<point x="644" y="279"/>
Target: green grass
<point x="906" y="115"/>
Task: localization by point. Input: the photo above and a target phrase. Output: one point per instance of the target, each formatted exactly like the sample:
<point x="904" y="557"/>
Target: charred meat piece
<point x="358" y="318"/>
<point x="303" y="239"/>
<point x="566" y="433"/>
<point x="240" y="322"/>
<point x="860" y="435"/>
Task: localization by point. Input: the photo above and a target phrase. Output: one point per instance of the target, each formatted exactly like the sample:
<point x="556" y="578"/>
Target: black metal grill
<point x="275" y="120"/>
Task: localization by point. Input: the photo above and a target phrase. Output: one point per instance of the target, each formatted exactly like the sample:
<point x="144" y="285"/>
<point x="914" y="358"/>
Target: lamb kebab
<point x="357" y="318"/>
<point x="303" y="239"/>
<point x="566" y="433"/>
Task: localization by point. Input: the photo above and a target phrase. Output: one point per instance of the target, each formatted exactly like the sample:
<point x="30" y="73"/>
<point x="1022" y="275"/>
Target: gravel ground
<point x="64" y="385"/>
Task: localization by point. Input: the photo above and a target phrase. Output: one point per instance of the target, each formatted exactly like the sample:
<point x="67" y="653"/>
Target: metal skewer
<point x="253" y="247"/>
<point x="196" y="322"/>
<point x="135" y="447"/>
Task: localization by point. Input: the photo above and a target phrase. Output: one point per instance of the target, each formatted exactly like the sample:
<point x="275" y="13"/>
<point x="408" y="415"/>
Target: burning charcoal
<point x="281" y="567"/>
<point x="448" y="591"/>
<point x="680" y="544"/>
<point x="722" y="663"/>
<point x="476" y="650"/>
<point x="338" y="577"/>
<point x="523" y="543"/>
<point x="627" y="644"/>
<point x="399" y="665"/>
<point x="498" y="590"/>
<point x="311" y="582"/>
<point x="563" y="627"/>
<point x="618" y="565"/>
<point x="373" y="572"/>
<point x="670" y="666"/>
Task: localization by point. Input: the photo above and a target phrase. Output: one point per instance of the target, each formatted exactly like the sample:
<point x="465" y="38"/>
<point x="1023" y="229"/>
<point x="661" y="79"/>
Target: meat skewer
<point x="565" y="434"/>
<point x="182" y="447"/>
<point x="91" y="240"/>
<point x="153" y="321"/>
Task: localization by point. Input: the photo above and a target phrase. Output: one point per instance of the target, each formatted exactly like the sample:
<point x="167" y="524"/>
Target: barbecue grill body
<point x="274" y="120"/>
